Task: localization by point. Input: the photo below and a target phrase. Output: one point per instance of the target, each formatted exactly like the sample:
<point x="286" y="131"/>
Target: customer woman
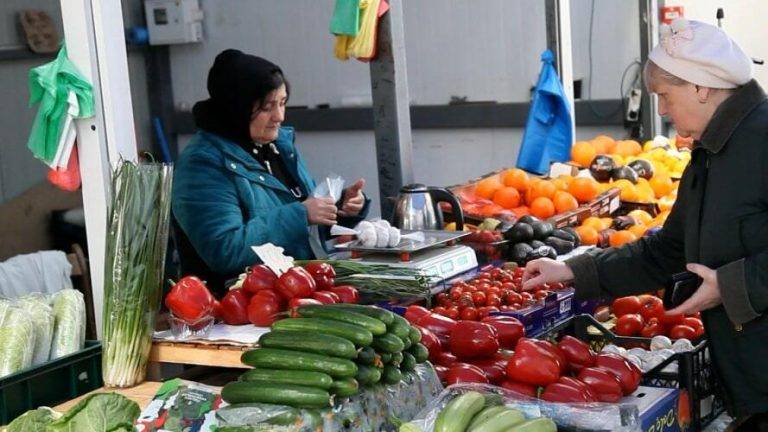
<point x="718" y="228"/>
<point x="241" y="181"/>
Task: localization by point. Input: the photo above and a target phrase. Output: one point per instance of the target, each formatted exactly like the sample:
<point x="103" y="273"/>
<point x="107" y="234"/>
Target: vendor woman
<point x="241" y="181"/>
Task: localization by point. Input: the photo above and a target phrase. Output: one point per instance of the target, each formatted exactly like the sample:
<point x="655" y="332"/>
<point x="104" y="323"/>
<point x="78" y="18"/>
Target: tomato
<point x="469" y="314"/>
<point x="527" y="297"/>
<point x="452" y="313"/>
<point x="512" y="298"/>
<point x="626" y="305"/>
<point x="471" y="339"/>
<point x="652" y="306"/>
<point x="541" y="294"/>
<point x="478" y="298"/>
<point x="262" y="310"/>
<point x="259" y="277"/>
<point x="439" y="310"/>
<point x="495" y="272"/>
<point x="652" y="328"/>
<point x="671" y="320"/>
<point x="346" y="293"/>
<point x="325" y="297"/>
<point x="694" y="323"/>
<point x="456" y="292"/>
<point x="493" y="300"/>
<point x="486" y="311"/>
<point x="629" y="325"/>
<point x="505" y="308"/>
<point x="296" y="282"/>
<point x="462" y="372"/>
<point x="494" y="291"/>
<point x="682" y="331"/>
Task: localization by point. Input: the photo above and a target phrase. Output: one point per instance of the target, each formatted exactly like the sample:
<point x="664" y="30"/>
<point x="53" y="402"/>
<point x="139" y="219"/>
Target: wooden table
<point x="142" y="394"/>
<point x="198" y="354"/>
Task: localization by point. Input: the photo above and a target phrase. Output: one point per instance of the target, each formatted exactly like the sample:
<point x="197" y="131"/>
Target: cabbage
<point x="17" y="341"/>
<point x="37" y="308"/>
<point x="69" y="323"/>
<point x="33" y="420"/>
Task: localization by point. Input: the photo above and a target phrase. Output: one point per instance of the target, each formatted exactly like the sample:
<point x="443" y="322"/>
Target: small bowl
<point x="184" y="330"/>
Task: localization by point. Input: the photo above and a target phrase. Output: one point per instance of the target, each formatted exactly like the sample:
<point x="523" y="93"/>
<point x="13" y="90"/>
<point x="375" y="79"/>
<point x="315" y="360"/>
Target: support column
<point x="391" y="108"/>
<point x="558" y="17"/>
<point x="651" y="123"/>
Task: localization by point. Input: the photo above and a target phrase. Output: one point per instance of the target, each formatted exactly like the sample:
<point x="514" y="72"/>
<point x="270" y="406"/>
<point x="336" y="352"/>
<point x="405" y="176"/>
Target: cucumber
<point x="385" y="358"/>
<point x="375" y="326"/>
<point x="457" y="415"/>
<point x="541" y="424"/>
<point x="420" y="352"/>
<point x="414" y="335"/>
<point x="380" y="314"/>
<point x="400" y="327"/>
<point x="409" y="362"/>
<point x="358" y="335"/>
<point x="345" y="388"/>
<point x="280" y="394"/>
<point x="309" y="342"/>
<point x="269" y="358"/>
<point x="366" y="356"/>
<point x="500" y="422"/>
<point x="485" y="414"/>
<point x="286" y="417"/>
<point x="296" y="377"/>
<point x="397" y="358"/>
<point x="367" y="375"/>
<point x="388" y="343"/>
<point x="391" y="375"/>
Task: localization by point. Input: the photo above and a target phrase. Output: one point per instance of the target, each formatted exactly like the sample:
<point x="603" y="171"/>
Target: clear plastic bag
<point x="332" y="186"/>
<point x="40" y="312"/>
<point x="591" y="416"/>
<point x="69" y="323"/>
<point x="17" y="341"/>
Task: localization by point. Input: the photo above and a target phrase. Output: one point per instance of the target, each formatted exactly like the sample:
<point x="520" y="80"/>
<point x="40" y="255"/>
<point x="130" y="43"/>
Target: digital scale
<point x="439" y="263"/>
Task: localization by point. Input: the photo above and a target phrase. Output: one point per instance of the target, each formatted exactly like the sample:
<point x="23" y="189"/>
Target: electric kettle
<point x="417" y="208"/>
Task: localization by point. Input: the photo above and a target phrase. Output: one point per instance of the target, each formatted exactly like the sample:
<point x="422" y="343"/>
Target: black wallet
<point x="680" y="288"/>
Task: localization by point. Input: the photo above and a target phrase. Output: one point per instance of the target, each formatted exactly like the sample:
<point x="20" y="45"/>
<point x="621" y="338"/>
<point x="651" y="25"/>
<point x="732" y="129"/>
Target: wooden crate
<point x="198" y="354"/>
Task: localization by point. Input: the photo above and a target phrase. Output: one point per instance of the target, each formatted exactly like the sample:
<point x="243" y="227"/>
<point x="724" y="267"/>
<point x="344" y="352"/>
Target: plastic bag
<point x="40" y="312"/>
<point x="67" y="179"/>
<point x="69" y="323"/>
<point x="332" y="187"/>
<point x="592" y="416"/>
<point x="17" y="341"/>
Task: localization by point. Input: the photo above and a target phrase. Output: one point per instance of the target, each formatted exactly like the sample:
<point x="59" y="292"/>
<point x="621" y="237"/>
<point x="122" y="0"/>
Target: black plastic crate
<point x="695" y="375"/>
<point x="51" y="383"/>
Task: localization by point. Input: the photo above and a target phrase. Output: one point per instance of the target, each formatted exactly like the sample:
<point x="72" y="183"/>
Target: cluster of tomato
<point x="645" y="316"/>
<point x="492" y="290"/>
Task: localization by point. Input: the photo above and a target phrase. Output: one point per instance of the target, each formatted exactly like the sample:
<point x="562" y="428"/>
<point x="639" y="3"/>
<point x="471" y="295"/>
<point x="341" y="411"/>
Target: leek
<point x="137" y="240"/>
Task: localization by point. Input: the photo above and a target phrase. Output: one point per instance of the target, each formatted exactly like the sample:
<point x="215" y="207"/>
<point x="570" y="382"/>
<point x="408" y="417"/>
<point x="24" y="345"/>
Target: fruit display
<point x="327" y="352"/>
<point x="531" y="238"/>
<point x="616" y="231"/>
<point x="645" y="316"/>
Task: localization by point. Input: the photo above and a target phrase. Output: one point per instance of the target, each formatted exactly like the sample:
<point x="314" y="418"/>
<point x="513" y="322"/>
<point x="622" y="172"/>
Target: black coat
<point x="720" y="220"/>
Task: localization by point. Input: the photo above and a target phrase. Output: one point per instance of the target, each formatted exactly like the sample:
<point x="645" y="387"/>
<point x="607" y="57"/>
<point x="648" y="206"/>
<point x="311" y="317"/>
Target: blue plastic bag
<point x="548" y="132"/>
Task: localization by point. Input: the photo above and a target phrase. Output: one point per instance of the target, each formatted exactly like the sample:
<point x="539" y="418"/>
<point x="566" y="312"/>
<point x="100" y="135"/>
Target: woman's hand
<point x="706" y="297"/>
<point x="545" y="270"/>
<point x="320" y="211"/>
<point x="353" y="199"/>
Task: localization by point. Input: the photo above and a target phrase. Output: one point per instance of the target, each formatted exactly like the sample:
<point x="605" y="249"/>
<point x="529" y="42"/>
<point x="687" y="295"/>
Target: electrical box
<point x="174" y="21"/>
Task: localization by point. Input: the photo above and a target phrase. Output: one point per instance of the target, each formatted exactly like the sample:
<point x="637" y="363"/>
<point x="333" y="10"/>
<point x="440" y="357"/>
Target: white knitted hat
<point x="701" y="54"/>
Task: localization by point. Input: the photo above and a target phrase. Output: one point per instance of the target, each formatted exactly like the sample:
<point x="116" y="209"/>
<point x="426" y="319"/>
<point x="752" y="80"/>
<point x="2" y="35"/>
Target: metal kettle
<point x="417" y="208"/>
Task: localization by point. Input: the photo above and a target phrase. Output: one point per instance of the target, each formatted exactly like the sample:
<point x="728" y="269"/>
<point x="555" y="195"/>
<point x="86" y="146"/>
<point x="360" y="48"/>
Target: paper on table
<point x="221" y="334"/>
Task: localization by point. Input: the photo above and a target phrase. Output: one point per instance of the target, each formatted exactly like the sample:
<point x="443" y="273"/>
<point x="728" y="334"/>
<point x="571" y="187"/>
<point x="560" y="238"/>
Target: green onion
<point x="137" y="239"/>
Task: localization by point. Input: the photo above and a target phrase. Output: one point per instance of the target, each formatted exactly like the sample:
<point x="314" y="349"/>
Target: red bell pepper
<point x="325" y="297"/>
<point x="520" y="388"/>
<point x="472" y="339"/>
<point x="216" y="311"/>
<point x="439" y="325"/>
<point x="565" y="393"/>
<point x="445" y="358"/>
<point x="346" y="293"/>
<point x="573" y="382"/>
<point x="295" y="303"/>
<point x="234" y="307"/>
<point x="510" y="329"/>
<point x="533" y="364"/>
<point x="627" y="373"/>
<point x="465" y="373"/>
<point x="259" y="277"/>
<point x="493" y="369"/>
<point x="190" y="300"/>
<point x="603" y="383"/>
<point x="323" y="274"/>
<point x="442" y="371"/>
<point x="577" y="353"/>
<point x="263" y="310"/>
<point x="295" y="282"/>
<point x="429" y="340"/>
<point x="562" y="360"/>
<point x="414" y="313"/>
<point x="273" y="294"/>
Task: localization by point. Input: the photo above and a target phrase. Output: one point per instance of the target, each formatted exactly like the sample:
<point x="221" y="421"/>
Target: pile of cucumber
<point x="475" y="412"/>
<point x="327" y="351"/>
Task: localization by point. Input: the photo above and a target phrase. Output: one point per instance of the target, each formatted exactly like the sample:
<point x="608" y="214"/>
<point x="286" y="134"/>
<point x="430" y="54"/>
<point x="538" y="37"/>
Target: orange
<point x="542" y="208"/>
<point x="544" y="188"/>
<point x="507" y="197"/>
<point x="583" y="189"/>
<point x="629" y="193"/>
<point x="516" y="178"/>
<point x="583" y="152"/>
<point x="605" y="143"/>
<point x="640" y="216"/>
<point x="560" y="184"/>
<point x="587" y="235"/>
<point x="666" y="202"/>
<point x="638" y="229"/>
<point x="628" y="148"/>
<point x="595" y="223"/>
<point x="661" y="185"/>
<point x="619" y="238"/>
<point x="487" y="187"/>
<point x="564" y="202"/>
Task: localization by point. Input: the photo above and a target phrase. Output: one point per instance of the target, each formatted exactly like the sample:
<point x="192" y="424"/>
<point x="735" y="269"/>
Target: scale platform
<point x="439" y="263"/>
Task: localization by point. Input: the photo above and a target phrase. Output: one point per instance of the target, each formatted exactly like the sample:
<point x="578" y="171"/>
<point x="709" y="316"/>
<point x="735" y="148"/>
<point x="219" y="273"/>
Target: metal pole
<point x="93" y="32"/>
<point x="649" y="37"/>
<point x="391" y="108"/>
<point x="558" y="17"/>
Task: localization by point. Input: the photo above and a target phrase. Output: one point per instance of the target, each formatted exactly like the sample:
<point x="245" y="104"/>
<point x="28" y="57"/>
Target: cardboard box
<point x="658" y="408"/>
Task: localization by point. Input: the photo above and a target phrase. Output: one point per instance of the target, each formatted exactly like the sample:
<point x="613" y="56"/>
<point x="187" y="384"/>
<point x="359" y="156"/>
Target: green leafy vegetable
<point x="33" y="420"/>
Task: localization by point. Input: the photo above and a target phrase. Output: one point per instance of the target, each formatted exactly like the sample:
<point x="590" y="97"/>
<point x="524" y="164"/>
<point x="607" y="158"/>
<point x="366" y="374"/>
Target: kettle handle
<point x="444" y="195"/>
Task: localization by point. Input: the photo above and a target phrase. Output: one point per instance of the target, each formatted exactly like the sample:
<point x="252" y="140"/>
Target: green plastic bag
<point x="50" y="85"/>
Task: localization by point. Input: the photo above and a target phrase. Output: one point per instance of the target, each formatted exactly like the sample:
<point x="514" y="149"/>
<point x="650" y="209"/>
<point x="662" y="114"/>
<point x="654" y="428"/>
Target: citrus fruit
<point x="564" y="202"/>
<point x="582" y="153"/>
<point x="587" y="235"/>
<point x="487" y="187"/>
<point x="542" y="208"/>
<point x="507" y="197"/>
<point x="517" y="179"/>
<point x="583" y="189"/>
<point x="619" y="238"/>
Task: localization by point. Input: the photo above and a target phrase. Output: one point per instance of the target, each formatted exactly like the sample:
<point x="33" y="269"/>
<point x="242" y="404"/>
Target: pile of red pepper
<point x="644" y="315"/>
<point x="492" y="290"/>
<point x="261" y="297"/>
